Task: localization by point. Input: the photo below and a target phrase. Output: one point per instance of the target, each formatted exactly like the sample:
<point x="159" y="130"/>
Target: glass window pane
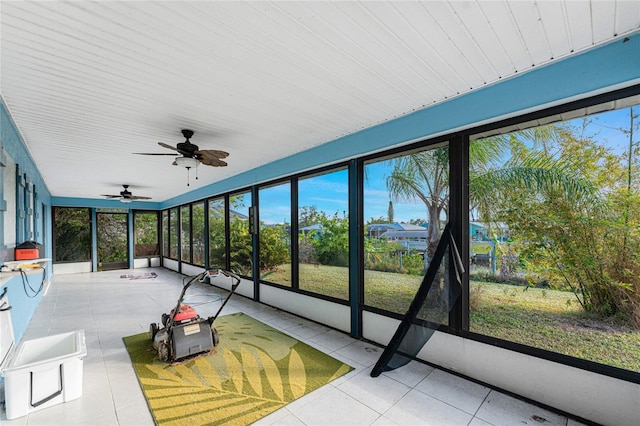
<point x="72" y="234"/>
<point x="197" y="223"/>
<point x="112" y="239"/>
<point x="555" y="232"/>
<point x="165" y="233"/>
<point x="275" y="234"/>
<point x="146" y="234"/>
<point x="323" y="234"/>
<point x="173" y="233"/>
<point x="185" y="234"/>
<point x="241" y="250"/>
<point x="406" y="201"/>
<point x="217" y="244"/>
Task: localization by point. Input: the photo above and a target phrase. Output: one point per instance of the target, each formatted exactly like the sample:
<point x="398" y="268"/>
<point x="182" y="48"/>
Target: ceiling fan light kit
<point x="187" y="162"/>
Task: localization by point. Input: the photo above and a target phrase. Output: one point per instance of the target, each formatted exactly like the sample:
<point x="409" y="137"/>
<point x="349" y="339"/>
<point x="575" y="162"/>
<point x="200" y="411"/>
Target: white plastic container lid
<point x="45" y="351"/>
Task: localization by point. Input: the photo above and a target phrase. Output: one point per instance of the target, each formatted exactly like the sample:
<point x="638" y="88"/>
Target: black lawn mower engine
<point x="184" y="333"/>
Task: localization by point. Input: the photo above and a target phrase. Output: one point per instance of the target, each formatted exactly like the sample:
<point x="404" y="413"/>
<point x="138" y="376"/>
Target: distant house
<point x="481" y="231"/>
<point x="478" y="231"/>
<point x="306" y="230"/>
<point x="375" y="230"/>
<point x="411" y="237"/>
<point x="414" y="237"/>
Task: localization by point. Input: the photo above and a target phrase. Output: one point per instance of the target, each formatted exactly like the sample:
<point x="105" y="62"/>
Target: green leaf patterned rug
<point x="254" y="371"/>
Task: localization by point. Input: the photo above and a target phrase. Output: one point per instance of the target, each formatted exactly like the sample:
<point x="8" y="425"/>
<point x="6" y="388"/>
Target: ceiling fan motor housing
<point x="187" y="149"/>
<point x="126" y="193"/>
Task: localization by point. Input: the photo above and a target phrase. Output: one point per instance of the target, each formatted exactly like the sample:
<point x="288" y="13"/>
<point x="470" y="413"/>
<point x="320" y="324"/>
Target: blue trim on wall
<point x="614" y="64"/>
<point x="103" y="203"/>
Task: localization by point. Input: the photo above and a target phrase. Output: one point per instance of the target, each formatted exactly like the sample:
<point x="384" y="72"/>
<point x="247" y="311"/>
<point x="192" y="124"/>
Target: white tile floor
<point x="108" y="307"/>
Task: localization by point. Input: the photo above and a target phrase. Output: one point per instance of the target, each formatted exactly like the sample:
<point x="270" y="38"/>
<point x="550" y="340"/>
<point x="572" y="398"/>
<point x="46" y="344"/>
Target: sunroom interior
<point x="342" y="122"/>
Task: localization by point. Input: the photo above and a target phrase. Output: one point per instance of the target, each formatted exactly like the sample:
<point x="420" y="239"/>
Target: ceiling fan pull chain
<point x="188" y="168"/>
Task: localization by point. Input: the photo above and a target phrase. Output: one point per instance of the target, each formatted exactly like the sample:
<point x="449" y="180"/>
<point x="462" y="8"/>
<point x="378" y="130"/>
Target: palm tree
<point x="534" y="173"/>
<point x="424" y="176"/>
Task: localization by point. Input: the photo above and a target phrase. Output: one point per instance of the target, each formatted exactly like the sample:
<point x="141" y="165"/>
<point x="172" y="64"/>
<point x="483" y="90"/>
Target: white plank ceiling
<point x="90" y="83"/>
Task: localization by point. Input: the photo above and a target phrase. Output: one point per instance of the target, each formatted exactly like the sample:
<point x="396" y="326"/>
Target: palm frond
<point x="541" y="175"/>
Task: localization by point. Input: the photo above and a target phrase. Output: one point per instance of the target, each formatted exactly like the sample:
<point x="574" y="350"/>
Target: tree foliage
<point x="217" y="243"/>
<point x="274" y="247"/>
<point x="567" y="204"/>
<point x="72" y="234"/>
<point x="112" y="237"/>
<point x="240" y="250"/>
<point x="330" y="243"/>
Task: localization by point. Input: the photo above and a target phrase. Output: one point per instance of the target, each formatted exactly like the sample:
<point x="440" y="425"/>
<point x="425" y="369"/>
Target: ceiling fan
<point x="190" y="154"/>
<point x="126" y="196"/>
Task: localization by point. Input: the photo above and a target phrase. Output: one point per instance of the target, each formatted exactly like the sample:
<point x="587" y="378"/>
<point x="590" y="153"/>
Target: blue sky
<point x="329" y="192"/>
<point x="606" y="127"/>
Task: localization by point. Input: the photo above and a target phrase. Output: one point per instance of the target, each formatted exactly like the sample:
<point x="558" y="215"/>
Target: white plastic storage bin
<point x="42" y="372"/>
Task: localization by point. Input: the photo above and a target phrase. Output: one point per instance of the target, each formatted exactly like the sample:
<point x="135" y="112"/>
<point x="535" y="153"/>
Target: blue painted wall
<point x="103" y="203"/>
<point x="19" y="291"/>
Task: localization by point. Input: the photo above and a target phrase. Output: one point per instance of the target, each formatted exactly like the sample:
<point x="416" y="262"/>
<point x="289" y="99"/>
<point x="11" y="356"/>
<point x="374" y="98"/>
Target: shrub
<point x="274" y="247"/>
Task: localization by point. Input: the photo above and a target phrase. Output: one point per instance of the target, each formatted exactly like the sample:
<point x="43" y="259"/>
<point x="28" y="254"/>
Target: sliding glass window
<point x="217" y="231"/>
<point x="240" y="241"/>
<point x="406" y="204"/>
<point x="323" y="233"/>
<point x="555" y="233"/>
<point x="275" y="233"/>
<point x="198" y="237"/>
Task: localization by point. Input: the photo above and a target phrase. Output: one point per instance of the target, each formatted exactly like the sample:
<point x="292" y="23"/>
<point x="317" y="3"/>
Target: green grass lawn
<point x="553" y="320"/>
<point x="546" y="319"/>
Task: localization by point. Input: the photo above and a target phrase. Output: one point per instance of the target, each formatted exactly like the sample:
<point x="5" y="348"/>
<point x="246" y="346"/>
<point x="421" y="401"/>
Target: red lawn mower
<point x="184" y="333"/>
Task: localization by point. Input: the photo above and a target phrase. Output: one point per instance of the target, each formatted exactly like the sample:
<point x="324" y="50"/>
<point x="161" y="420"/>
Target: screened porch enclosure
<point x="348" y="245"/>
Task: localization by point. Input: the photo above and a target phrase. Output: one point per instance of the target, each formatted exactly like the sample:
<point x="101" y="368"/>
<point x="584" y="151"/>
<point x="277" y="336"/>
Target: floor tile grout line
<point x="486" y="397"/>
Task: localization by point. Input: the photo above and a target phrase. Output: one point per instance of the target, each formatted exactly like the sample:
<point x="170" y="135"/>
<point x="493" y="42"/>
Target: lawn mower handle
<point x="233" y="289"/>
<point x="200" y="278"/>
<point x="175" y="311"/>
